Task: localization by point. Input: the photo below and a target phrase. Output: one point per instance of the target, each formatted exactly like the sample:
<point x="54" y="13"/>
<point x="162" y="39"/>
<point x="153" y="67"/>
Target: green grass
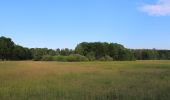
<point x="130" y="80"/>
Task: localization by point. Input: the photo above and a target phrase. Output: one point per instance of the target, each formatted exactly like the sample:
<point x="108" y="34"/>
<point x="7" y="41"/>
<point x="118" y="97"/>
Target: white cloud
<point x="161" y="8"/>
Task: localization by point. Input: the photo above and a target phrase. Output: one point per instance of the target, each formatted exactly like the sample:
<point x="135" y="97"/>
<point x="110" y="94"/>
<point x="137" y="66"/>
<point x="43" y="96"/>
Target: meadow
<point x="116" y="80"/>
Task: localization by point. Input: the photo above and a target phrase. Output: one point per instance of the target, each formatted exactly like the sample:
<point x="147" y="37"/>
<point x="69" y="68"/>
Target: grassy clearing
<point x="130" y="80"/>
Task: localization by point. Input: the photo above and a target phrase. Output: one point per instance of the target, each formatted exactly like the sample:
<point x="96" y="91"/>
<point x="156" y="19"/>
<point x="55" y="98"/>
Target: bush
<point x="102" y="59"/>
<point x="91" y="56"/>
<point x="70" y="58"/>
<point x="47" y="58"/>
<point x="60" y="58"/>
<point x="37" y="58"/>
<point x="108" y="58"/>
<point x="77" y="57"/>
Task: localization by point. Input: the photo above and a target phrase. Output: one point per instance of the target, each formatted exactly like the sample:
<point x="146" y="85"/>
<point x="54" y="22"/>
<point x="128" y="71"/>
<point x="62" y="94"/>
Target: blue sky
<point x="65" y="23"/>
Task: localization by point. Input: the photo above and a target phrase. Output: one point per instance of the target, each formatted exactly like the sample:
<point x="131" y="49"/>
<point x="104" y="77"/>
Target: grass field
<point x="130" y="80"/>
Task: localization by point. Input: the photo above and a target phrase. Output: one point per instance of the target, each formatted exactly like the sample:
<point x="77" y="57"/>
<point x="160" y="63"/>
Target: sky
<point x="55" y="24"/>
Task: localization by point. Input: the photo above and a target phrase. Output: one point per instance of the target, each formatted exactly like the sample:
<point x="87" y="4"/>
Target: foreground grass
<point x="134" y="80"/>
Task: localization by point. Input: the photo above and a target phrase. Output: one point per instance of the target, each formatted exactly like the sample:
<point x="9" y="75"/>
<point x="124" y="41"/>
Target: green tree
<point x="98" y="51"/>
<point x="21" y="53"/>
<point x="6" y="48"/>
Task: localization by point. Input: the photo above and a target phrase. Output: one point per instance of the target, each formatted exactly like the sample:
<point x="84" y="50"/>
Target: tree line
<point x="85" y="51"/>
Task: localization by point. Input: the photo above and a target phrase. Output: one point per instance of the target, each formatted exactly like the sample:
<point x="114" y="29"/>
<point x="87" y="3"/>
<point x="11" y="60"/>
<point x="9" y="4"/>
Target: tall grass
<point x="136" y="80"/>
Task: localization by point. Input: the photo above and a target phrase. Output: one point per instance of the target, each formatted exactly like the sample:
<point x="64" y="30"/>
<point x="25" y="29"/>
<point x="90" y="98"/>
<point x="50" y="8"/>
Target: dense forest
<point x="85" y="51"/>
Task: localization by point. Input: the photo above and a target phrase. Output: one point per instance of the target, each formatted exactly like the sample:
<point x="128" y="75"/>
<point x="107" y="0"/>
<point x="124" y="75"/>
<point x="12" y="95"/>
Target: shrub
<point x="108" y="58"/>
<point x="37" y="58"/>
<point x="76" y="57"/>
<point x="102" y="59"/>
<point x="70" y="58"/>
<point x="91" y="56"/>
<point x="60" y="58"/>
<point x="47" y="58"/>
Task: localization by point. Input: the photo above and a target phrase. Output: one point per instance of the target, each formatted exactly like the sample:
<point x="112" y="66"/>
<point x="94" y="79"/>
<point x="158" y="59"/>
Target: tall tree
<point x="21" y="53"/>
<point x="100" y="50"/>
<point x="6" y="48"/>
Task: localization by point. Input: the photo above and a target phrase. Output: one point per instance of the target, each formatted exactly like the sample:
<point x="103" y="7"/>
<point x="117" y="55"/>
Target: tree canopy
<point x="99" y="50"/>
<point x="6" y="48"/>
<point x="87" y="51"/>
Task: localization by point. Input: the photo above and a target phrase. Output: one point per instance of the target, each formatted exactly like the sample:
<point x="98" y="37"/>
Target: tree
<point x="115" y="51"/>
<point x="146" y="54"/>
<point x="66" y="52"/>
<point x="92" y="50"/>
<point x="6" y="48"/>
<point x="21" y="53"/>
<point x="98" y="51"/>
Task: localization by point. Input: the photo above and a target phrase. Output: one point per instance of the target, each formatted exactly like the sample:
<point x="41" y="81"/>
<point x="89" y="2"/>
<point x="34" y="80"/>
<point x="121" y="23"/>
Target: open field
<point x="130" y="80"/>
